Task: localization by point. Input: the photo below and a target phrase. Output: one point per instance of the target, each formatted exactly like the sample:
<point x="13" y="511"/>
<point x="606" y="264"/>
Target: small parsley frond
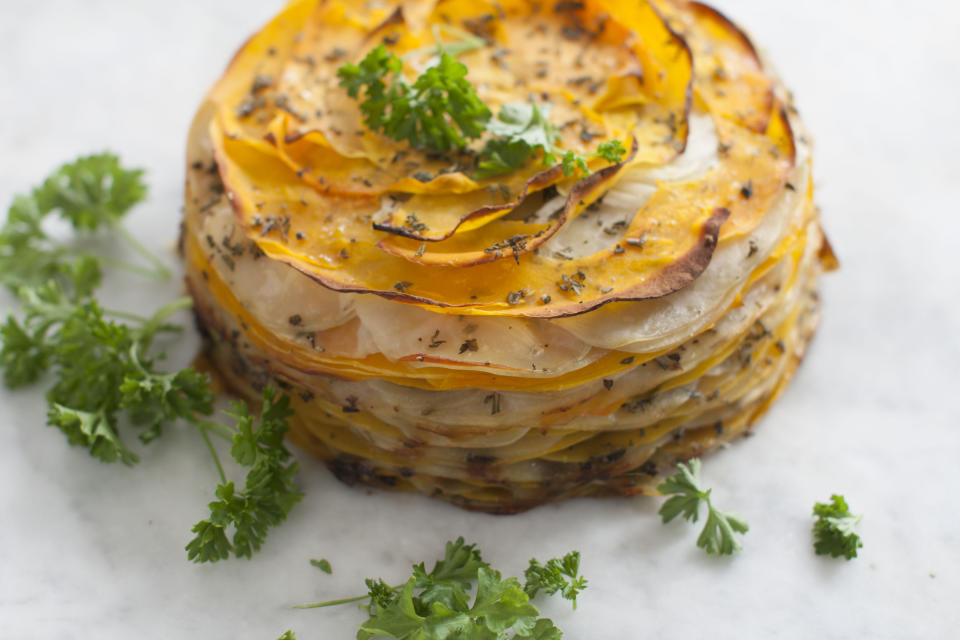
<point x="153" y="399"/>
<point x="268" y="495"/>
<point x="612" y="151"/>
<point x="97" y="362"/>
<point x="718" y="536"/>
<point x="92" y="192"/>
<point x="369" y="74"/>
<point x="323" y="564"/>
<point x="381" y="595"/>
<point x="527" y="122"/>
<point x="573" y="162"/>
<point x="25" y="354"/>
<point x="30" y="258"/>
<point x="833" y="530"/>
<point x="557" y="575"/>
<point x="93" y="430"/>
<point x="460" y="562"/>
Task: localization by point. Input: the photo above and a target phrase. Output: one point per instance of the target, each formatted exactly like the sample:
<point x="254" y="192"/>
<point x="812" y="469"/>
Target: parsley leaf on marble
<point x="439" y="605"/>
<point x="96" y="361"/>
<point x="833" y="531"/>
<point x="102" y="363"/>
<point x="323" y="564"/>
<point x="268" y="495"/>
<point x="718" y="536"/>
<point x="557" y="575"/>
<point x="101" y="368"/>
<point x="91" y="194"/>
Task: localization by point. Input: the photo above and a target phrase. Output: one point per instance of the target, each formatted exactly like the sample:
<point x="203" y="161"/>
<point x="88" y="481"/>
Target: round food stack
<point x="504" y="330"/>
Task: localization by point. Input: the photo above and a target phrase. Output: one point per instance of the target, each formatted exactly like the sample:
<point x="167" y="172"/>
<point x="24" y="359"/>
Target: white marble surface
<point x="93" y="551"/>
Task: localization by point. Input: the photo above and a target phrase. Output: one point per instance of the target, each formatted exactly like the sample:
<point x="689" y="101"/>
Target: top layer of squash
<point x="358" y="211"/>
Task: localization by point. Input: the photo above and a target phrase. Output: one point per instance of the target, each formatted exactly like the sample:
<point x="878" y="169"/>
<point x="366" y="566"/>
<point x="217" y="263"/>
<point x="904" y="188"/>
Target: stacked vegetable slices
<point x="507" y="340"/>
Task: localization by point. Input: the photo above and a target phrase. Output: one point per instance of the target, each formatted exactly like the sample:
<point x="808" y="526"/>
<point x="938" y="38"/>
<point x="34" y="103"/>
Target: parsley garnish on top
<point x="833" y="531"/>
<point x="103" y="363"/>
<point x="718" y="535"/>
<point x="439" y="605"/>
<point x="441" y="111"/>
<point x="525" y="129"/>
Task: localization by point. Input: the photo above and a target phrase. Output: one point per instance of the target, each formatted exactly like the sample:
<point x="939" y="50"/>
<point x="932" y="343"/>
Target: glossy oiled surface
<point x="92" y="551"/>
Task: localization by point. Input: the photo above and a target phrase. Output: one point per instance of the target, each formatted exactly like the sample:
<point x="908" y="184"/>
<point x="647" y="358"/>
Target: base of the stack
<point x="316" y="425"/>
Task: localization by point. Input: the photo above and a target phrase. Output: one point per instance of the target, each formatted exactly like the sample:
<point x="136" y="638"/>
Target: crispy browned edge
<point x="672" y="278"/>
<point x="730" y="24"/>
<point x="748" y="43"/>
<point x="688" y="94"/>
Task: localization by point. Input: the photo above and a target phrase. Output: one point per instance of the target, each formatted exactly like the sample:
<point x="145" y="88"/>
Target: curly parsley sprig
<point x="104" y="367"/>
<point x="269" y="493"/>
<point x="91" y="194"/>
<point x="558" y="575"/>
<point x="441" y="111"/>
<point x="438" y="604"/>
<point x="101" y="371"/>
<point x="833" y="531"/>
<point x="718" y="534"/>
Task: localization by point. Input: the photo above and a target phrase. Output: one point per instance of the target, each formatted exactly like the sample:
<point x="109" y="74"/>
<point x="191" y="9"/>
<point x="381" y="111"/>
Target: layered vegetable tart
<point x="504" y="253"/>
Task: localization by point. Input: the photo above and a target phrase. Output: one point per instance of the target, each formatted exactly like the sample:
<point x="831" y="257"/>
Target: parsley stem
<point x="161" y="270"/>
<point x="333" y="603"/>
<point x="465" y="41"/>
<point x="218" y="429"/>
<point x="154" y="324"/>
<point x="124" y="315"/>
<point x="153" y="274"/>
<point x="213" y="452"/>
<point x="330" y="603"/>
